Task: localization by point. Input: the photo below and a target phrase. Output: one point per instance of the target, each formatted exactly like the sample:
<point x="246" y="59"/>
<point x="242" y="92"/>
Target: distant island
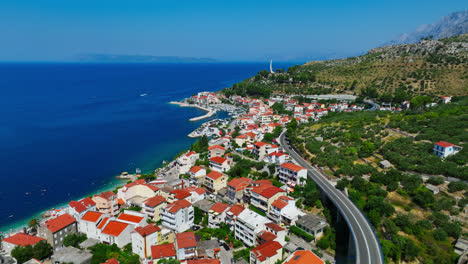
<point x="141" y="59"/>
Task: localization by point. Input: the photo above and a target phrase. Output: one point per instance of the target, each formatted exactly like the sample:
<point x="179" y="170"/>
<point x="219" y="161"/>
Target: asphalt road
<point x="367" y="245"/>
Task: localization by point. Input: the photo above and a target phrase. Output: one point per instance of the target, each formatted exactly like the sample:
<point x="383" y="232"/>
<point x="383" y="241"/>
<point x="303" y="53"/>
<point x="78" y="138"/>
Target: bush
<point x="435" y="180"/>
<point x="301" y="233"/>
<point x="456" y="186"/>
<point x="74" y="240"/>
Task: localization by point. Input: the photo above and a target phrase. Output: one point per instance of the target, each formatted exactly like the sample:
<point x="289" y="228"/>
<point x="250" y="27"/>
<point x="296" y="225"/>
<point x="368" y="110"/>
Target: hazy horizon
<point x="62" y="31"/>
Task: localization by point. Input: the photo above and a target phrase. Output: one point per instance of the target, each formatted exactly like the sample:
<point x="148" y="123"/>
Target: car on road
<point x="225" y="246"/>
<point x="195" y="227"/>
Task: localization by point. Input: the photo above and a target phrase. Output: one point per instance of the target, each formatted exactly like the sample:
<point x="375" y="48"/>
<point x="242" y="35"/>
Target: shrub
<point x="301" y="233"/>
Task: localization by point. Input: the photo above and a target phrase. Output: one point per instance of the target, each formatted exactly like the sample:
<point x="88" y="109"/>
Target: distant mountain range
<point x="451" y="25"/>
<point x="140" y="59"/>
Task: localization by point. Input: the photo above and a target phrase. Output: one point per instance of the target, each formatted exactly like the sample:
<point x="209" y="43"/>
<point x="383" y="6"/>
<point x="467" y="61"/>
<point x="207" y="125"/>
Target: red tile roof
<point x="219" y="160"/>
<point x="186" y="240"/>
<point x="152" y="187"/>
<point x="103" y="222"/>
<point x="106" y="195"/>
<point x="239" y="183"/>
<point x="22" y="239"/>
<point x="216" y="147"/>
<point x="274" y="227"/>
<point x="444" y="144"/>
<point x="137" y="182"/>
<point x="155" y="201"/>
<point x="214" y="175"/>
<point x="177" y="205"/>
<point x="260" y="144"/>
<point x="130" y="218"/>
<point x="180" y="194"/>
<point x="219" y="207"/>
<point x="60" y="222"/>
<point x="291" y="166"/>
<point x="163" y="251"/>
<point x="236" y="209"/>
<point x="82" y="205"/>
<point x="147" y="230"/>
<point x="91" y="216"/>
<point x="266" y="250"/>
<point x="267" y="191"/>
<point x="204" y="261"/>
<point x="114" y="228"/>
<point x="304" y="257"/>
<point x="111" y="261"/>
<point x="200" y="191"/>
<point x="280" y="204"/>
<point x="267" y="236"/>
<point x="190" y="153"/>
<point x="195" y="169"/>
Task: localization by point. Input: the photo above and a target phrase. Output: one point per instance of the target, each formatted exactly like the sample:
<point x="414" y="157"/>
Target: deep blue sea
<point x="66" y="130"/>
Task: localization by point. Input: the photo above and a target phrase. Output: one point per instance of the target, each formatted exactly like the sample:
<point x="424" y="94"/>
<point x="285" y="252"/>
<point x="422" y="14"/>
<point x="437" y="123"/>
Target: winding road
<point x="367" y="245"/>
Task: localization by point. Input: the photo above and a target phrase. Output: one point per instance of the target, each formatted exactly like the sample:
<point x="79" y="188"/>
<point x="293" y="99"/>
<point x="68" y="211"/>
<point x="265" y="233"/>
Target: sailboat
<point x="271" y="66"/>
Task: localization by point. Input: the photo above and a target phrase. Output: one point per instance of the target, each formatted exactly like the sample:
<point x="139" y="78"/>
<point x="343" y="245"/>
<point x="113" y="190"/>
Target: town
<point x="236" y="196"/>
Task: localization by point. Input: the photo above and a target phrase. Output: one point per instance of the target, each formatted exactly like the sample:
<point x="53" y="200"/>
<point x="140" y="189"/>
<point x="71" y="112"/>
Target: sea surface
<point x="66" y="130"/>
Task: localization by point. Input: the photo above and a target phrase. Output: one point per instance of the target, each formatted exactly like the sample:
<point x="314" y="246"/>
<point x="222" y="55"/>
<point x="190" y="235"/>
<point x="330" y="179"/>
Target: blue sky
<point x="50" y="30"/>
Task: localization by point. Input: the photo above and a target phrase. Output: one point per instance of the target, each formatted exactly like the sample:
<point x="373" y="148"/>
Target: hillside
<point x="429" y="67"/>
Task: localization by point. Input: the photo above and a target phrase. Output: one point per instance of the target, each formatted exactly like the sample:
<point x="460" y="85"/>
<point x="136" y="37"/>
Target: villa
<point x="444" y="149"/>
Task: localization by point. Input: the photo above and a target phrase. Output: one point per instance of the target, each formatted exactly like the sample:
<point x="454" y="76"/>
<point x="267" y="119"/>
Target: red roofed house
<point x="216" y="151"/>
<point x="137" y="194"/>
<point x="197" y="175"/>
<point x="163" y="251"/>
<point x="262" y="149"/>
<point x="107" y="203"/>
<point x="264" y="195"/>
<point x="204" y="261"/>
<point x="152" y="207"/>
<point x="197" y="193"/>
<point x="55" y="230"/>
<point x="215" y="181"/>
<point x="444" y="149"/>
<point x="278" y="231"/>
<point x="267" y="253"/>
<point x="186" y="245"/>
<point x="20" y="239"/>
<point x="143" y="238"/>
<point x="292" y="174"/>
<point x="303" y="257"/>
<point x="133" y="218"/>
<point x="78" y="208"/>
<point x="89" y="222"/>
<point x="217" y="214"/>
<point x="186" y="161"/>
<point x="219" y="164"/>
<point x="178" y="215"/>
<point x="117" y="232"/>
<point x="284" y="210"/>
<point x="232" y="213"/>
<point x="111" y="261"/>
<point x="236" y="187"/>
<point x="178" y="194"/>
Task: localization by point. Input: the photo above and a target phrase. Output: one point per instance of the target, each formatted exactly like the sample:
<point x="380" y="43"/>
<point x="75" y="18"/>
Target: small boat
<point x="143" y="95"/>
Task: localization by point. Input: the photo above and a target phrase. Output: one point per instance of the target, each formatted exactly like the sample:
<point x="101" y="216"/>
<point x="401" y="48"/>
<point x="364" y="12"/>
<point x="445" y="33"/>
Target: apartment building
<point x="178" y="215"/>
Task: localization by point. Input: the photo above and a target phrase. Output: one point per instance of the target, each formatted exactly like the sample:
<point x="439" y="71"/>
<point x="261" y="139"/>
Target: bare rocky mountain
<point x="451" y="25"/>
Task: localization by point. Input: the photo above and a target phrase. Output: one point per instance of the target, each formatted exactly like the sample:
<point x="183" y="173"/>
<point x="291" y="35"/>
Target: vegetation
<point x="39" y="251"/>
<point x="301" y="233"/>
<point x="74" y="240"/>
<point x="258" y="211"/>
<point x="102" y="252"/>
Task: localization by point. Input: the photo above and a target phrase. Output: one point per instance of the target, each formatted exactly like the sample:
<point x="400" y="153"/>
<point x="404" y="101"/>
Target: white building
<point x="219" y="164"/>
<point x="186" y="161"/>
<point x="178" y="215"/>
<point x="116" y="232"/>
<point x="292" y="174"/>
<point x="196" y="175"/>
<point x="78" y="208"/>
<point x="444" y="149"/>
<point x="248" y="225"/>
<point x="217" y="215"/>
<point x="88" y="224"/>
<point x="266" y="253"/>
<point x="186" y="245"/>
<point x="284" y="210"/>
<point x="143" y="238"/>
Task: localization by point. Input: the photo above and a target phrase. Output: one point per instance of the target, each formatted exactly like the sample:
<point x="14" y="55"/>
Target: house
<point x="444" y="149"/>
<point x="178" y="215"/>
<point x="197" y="174"/>
<point x="78" y="208"/>
<point x="446" y="99"/>
<point x="303" y="257"/>
<point x="434" y="189"/>
<point x="71" y="255"/>
<point x="178" y="194"/>
<point x="186" y="161"/>
<point x="133" y="218"/>
<point x="219" y="164"/>
<point x="312" y="224"/>
<point x="197" y="194"/>
<point x="116" y="232"/>
<point x="385" y="164"/>
<point x="232" y="214"/>
<point x="88" y="224"/>
<point x="236" y="187"/>
<point x="186" y="245"/>
<point x="19" y="239"/>
<point x="217" y="215"/>
<point x="167" y="236"/>
<point x="284" y="210"/>
<point x="106" y="203"/>
<point x="276" y="157"/>
<point x="267" y="253"/>
<point x="264" y="195"/>
<point x="152" y="207"/>
<point x="461" y="246"/>
<point x="111" y="261"/>
<point x="278" y="231"/>
<point x="143" y="238"/>
<point x="248" y="225"/>
<point x="208" y="249"/>
<point x="215" y="181"/>
<point x="55" y="230"/>
<point x="292" y="174"/>
<point x="216" y="151"/>
<point x="164" y="251"/>
<point x="136" y="194"/>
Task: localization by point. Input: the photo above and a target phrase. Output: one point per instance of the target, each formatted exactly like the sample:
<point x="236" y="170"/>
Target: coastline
<point x="210" y="113"/>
